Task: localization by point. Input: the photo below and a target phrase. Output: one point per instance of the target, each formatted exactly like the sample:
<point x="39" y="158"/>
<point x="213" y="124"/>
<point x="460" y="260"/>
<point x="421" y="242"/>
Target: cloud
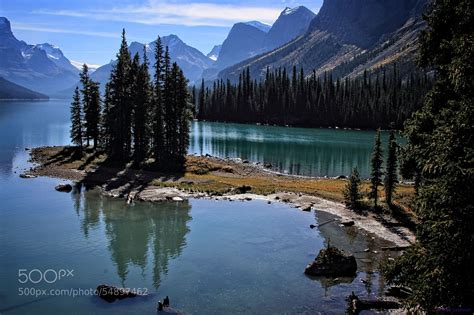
<point x="190" y="14"/>
<point x="36" y="28"/>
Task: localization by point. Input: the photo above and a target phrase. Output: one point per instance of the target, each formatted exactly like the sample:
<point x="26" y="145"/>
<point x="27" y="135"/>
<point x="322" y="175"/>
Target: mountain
<point x="246" y="40"/>
<point x="191" y="60"/>
<point x="347" y="37"/>
<point x="41" y="67"/>
<point x="290" y="24"/>
<point x="261" y="26"/>
<point x="12" y="91"/>
<point x="214" y="53"/>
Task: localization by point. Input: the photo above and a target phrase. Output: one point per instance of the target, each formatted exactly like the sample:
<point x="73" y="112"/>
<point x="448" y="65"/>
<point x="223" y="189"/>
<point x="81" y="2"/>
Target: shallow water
<point x="210" y="257"/>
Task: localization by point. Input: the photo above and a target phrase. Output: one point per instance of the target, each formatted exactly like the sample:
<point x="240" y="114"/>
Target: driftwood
<point x="357" y="305"/>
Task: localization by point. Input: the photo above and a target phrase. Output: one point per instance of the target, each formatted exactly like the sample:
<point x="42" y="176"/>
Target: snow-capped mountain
<point x="261" y="26"/>
<point x="249" y="39"/>
<point x="191" y="60"/>
<point x="42" y="67"/>
<point x="291" y="23"/>
<point x="214" y="53"/>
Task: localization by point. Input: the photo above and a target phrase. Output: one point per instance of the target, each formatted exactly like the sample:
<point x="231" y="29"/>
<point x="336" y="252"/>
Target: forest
<point x="379" y="99"/>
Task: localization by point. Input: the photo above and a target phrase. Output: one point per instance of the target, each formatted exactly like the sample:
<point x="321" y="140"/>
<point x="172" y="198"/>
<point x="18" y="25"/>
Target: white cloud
<point x="189" y="14"/>
<point x="36" y="28"/>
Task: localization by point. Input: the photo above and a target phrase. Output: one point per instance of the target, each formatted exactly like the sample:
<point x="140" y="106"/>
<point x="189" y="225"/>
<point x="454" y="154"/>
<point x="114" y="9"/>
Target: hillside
<point x="10" y="91"/>
<point x="347" y="37"/>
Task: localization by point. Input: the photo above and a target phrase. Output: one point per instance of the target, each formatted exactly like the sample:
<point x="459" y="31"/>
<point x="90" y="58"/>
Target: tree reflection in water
<point x="136" y="231"/>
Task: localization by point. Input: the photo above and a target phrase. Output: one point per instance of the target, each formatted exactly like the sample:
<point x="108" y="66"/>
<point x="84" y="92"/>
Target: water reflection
<point x="135" y="232"/>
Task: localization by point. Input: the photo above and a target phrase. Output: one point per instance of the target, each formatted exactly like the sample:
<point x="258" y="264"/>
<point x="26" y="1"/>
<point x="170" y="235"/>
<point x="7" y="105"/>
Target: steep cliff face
<point x="347" y="36"/>
<point x="290" y="24"/>
<point x="244" y="41"/>
<point x="362" y="22"/>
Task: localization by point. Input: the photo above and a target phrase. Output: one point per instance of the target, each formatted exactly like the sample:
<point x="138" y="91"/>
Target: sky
<point x="89" y="30"/>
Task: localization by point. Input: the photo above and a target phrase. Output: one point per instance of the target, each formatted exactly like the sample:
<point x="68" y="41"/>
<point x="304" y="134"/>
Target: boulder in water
<point x="63" y="188"/>
<point x="332" y="262"/>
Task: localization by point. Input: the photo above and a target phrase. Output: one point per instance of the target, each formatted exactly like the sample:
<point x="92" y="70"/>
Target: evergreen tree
<point x="351" y="192"/>
<point x="141" y="103"/>
<point x="183" y="117"/>
<point x="86" y="99"/>
<point x="76" y="120"/>
<point x="376" y="169"/>
<point x="92" y="115"/>
<point x="438" y="267"/>
<point x="157" y="131"/>
<point x="390" y="179"/>
<point x="120" y="105"/>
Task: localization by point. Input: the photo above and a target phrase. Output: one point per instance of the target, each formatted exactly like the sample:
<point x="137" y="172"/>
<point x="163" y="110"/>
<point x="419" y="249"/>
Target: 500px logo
<point x="48" y="275"/>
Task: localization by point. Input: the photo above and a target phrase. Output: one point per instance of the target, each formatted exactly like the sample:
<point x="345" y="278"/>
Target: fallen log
<point x="357" y="305"/>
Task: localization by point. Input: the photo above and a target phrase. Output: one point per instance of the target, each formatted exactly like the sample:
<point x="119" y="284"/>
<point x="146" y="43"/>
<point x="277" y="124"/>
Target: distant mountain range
<point x="41" y="67"/>
<point x="347" y="37"/>
<point x="12" y="91"/>
<point x="249" y="39"/>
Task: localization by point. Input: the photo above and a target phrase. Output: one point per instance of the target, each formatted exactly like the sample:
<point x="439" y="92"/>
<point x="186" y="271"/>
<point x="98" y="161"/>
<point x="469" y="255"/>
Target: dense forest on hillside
<point x="380" y="99"/>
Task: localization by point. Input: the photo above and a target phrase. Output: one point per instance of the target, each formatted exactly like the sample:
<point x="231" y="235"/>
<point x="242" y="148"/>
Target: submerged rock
<point x="332" y="262"/>
<point x="63" y="188"/>
<point x="111" y="293"/>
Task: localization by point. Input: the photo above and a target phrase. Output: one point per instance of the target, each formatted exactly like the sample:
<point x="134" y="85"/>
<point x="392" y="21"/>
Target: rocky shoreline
<point x="147" y="186"/>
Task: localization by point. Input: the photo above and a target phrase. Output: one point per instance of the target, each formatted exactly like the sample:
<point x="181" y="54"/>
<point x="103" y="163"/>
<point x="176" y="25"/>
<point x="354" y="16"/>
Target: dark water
<point x="210" y="257"/>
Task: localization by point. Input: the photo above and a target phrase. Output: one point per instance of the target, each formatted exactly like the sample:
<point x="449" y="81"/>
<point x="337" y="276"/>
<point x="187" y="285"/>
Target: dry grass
<point x="217" y="176"/>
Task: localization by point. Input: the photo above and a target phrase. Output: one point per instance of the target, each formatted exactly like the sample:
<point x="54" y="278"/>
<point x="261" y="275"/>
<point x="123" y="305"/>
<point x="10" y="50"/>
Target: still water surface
<point x="210" y="257"/>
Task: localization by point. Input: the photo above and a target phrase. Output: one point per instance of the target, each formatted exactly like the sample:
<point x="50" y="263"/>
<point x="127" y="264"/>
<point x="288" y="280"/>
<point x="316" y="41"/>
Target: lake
<point x="210" y="257"/>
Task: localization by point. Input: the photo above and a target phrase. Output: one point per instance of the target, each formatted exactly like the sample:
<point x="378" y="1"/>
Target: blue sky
<point x="89" y="30"/>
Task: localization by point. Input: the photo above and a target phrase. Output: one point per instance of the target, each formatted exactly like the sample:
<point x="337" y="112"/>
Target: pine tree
<point x="376" y="169"/>
<point x="351" y="192"/>
<point x="157" y="127"/>
<point x="142" y="95"/>
<point x="76" y="120"/>
<point x="183" y="117"/>
<point x="93" y="113"/>
<point x="390" y="179"/>
<point x="120" y="105"/>
<point x="439" y="266"/>
<point x="86" y="99"/>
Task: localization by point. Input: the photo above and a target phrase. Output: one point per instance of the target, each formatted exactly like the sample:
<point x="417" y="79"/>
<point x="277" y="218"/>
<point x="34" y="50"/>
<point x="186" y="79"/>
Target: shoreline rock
<point x="64" y="188"/>
<point x="332" y="262"/>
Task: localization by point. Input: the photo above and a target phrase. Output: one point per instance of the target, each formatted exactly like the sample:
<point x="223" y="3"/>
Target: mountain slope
<point x="243" y="41"/>
<point x="290" y="24"/>
<point x="347" y="36"/>
<point x="12" y="91"/>
<point x="40" y="67"/>
<point x="246" y="40"/>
